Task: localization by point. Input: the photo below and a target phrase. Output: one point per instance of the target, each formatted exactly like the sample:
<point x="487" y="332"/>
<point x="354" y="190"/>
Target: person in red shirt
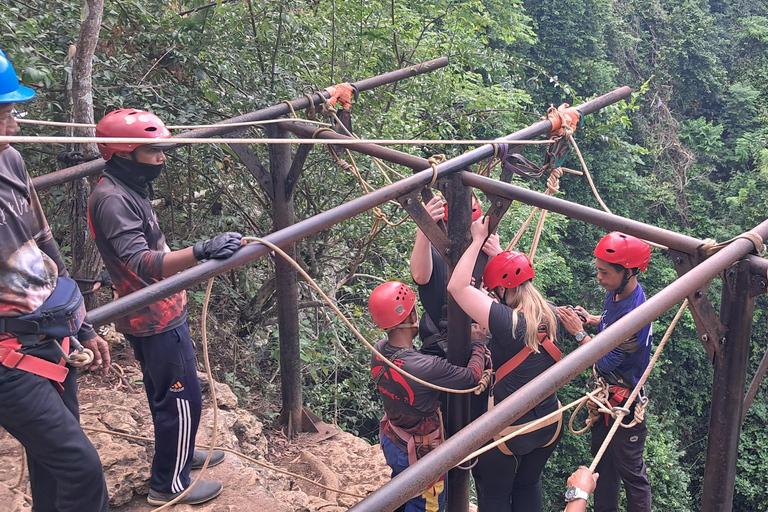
<point x="134" y="251"/>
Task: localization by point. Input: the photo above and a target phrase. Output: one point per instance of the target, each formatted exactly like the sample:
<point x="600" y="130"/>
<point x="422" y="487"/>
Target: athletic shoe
<point x="202" y="492"/>
<point x="198" y="458"/>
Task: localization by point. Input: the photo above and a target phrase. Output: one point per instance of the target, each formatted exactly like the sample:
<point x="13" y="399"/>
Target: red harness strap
<point x="430" y="441"/>
<point x="521" y="356"/>
<point x="10" y="357"/>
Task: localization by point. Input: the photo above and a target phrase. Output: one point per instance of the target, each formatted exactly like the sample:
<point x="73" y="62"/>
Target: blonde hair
<point x="529" y="301"/>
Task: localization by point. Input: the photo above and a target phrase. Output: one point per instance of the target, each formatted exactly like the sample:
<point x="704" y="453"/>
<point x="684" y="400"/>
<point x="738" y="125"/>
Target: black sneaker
<point x="198" y="458"/>
<point x="202" y="492"/>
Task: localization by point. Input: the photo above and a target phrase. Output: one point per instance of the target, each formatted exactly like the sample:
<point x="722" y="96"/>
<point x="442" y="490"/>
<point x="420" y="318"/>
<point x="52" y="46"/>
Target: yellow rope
<point x="290" y="106"/>
<point x="434" y="161"/>
<point x="524" y="429"/>
<point x="78" y="359"/>
<point x="553" y="187"/>
<point x="620" y="413"/>
<point x="352" y="327"/>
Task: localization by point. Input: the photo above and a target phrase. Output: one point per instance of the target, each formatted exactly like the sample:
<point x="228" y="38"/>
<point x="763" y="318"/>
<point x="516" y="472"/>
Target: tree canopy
<point x="688" y="152"/>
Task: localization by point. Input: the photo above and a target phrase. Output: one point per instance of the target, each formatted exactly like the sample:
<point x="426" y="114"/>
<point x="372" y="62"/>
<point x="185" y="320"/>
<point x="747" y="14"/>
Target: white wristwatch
<point x="581" y="335"/>
<point x="574" y="493"/>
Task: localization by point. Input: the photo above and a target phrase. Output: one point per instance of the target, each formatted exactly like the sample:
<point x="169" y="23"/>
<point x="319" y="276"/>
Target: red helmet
<point x="625" y="250"/>
<point x="477" y="212"/>
<point x="129" y="123"/>
<point x="508" y="269"/>
<point x="390" y="304"/>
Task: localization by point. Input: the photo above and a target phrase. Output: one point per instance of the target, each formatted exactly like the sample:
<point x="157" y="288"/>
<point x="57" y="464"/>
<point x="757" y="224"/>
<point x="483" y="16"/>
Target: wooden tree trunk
<point x="86" y="262"/>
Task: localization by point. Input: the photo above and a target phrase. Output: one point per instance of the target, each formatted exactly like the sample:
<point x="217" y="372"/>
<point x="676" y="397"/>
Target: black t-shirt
<point x="504" y="345"/>
<point x="413" y="406"/>
<point x="434" y="294"/>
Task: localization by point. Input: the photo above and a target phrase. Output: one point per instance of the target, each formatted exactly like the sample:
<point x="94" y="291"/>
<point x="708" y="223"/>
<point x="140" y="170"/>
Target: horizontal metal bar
<point x="600" y="218"/>
<point x="428" y="469"/>
<point x="183" y="280"/>
<point x="89" y="168"/>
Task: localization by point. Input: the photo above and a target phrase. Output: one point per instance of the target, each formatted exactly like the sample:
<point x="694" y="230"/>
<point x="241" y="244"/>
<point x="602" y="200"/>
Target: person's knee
<point x="88" y="467"/>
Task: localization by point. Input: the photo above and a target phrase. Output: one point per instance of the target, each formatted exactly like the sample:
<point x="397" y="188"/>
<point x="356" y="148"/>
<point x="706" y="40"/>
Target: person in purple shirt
<point x="620" y="258"/>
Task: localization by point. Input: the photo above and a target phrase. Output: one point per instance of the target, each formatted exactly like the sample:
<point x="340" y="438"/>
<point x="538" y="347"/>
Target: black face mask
<point x="136" y="175"/>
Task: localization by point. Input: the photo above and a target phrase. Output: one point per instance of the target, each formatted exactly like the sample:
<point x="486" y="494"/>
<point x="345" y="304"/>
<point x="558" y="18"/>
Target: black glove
<point x="217" y="248"/>
<point x="105" y="279"/>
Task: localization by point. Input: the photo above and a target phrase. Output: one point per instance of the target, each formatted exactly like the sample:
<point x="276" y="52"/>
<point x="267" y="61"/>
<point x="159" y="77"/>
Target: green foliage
<point x="687" y="152"/>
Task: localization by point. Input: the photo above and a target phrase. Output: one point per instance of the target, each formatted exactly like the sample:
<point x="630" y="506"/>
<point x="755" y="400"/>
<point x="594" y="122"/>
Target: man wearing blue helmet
<point x="38" y="388"/>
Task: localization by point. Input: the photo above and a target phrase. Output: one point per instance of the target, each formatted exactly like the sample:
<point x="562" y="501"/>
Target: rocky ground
<point x="334" y="458"/>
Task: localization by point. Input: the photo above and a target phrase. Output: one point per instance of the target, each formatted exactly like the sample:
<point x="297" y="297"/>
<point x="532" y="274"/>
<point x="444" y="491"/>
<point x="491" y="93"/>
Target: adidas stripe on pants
<point x="173" y="390"/>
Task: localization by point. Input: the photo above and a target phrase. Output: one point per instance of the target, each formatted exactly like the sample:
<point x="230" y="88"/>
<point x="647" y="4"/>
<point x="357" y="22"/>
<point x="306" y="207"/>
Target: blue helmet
<point x="10" y="90"/>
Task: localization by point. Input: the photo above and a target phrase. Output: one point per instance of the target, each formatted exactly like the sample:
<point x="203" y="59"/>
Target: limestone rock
<point x="225" y="398"/>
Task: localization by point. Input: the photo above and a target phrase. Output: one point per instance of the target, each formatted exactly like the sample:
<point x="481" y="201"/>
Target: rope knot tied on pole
<point x="711" y="246"/>
<point x="565" y="119"/>
<point x="434" y="161"/>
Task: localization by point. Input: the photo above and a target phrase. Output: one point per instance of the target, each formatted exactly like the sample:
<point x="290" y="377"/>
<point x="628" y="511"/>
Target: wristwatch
<point x="581" y="335"/>
<point x="574" y="493"/>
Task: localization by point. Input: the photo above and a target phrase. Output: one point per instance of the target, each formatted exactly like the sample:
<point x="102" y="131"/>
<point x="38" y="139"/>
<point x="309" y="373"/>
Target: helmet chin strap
<point x="624" y="281"/>
<point x="406" y="326"/>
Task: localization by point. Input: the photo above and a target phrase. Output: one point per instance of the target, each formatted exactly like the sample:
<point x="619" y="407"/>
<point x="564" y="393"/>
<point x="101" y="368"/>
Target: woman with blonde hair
<point x="523" y="326"/>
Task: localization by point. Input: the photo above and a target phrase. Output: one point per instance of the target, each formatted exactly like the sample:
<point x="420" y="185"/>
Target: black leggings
<point x="511" y="483"/>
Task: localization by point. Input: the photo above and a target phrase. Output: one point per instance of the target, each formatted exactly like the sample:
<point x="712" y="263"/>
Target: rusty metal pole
<point x="287" y="287"/>
<point x="428" y="469"/>
<point x="459" y="220"/>
<point x="736" y="309"/>
<point x="273" y="112"/>
<point x="307" y="227"/>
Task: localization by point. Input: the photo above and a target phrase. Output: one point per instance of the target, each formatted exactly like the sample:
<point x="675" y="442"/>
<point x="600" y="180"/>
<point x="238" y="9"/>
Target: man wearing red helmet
<point x="134" y="251"/>
<point x="411" y="426"/>
<point x="619" y="259"/>
<point x="38" y="392"/>
<point x="430" y="273"/>
<point x="523" y="326"/>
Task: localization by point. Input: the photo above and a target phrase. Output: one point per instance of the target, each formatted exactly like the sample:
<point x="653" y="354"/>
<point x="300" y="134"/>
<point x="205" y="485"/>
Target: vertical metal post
<point x="459" y="220"/>
<point x="287" y="285"/>
<point x="730" y="377"/>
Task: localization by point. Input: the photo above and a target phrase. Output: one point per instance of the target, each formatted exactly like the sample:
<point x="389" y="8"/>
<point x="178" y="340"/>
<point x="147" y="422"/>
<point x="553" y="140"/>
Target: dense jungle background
<point x="689" y="152"/>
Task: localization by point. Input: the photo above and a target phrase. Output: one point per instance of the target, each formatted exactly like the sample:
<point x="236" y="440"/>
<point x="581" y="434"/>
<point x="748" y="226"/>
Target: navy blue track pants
<point x="65" y="471"/>
<point x="173" y="390"/>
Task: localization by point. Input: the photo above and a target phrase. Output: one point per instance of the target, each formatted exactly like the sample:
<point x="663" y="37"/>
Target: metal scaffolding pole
<point x="459" y="349"/>
<point x="86" y="169"/>
<point x="428" y="469"/>
<point x="188" y="278"/>
<point x="731" y="361"/>
<point x="600" y="218"/>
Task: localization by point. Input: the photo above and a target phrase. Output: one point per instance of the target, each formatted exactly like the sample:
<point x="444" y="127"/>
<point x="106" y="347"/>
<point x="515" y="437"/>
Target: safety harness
<point x="11" y="357"/>
<point x="59" y="317"/>
<point x="418" y="445"/>
<point x="509" y="367"/>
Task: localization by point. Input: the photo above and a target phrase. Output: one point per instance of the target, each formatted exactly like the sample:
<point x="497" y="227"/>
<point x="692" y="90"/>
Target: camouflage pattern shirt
<point x="30" y="262"/>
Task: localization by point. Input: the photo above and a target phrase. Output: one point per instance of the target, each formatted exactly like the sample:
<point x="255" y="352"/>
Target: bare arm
<point x="474" y="302"/>
<point x="421" y="256"/>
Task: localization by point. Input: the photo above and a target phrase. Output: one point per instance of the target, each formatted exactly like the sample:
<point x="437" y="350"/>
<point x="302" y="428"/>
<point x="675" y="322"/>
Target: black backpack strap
<point x="17" y="325"/>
